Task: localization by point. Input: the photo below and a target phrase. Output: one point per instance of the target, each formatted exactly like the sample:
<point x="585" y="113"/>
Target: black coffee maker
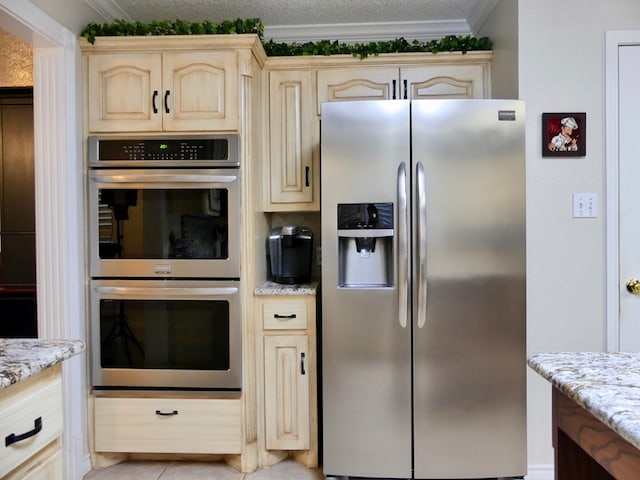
<point x="290" y="249"/>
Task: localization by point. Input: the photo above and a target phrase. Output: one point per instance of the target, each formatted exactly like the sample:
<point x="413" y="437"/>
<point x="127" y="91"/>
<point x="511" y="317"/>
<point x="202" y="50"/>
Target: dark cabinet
<point x="17" y="214"/>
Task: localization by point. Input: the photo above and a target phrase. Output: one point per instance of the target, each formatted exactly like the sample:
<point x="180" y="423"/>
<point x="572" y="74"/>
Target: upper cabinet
<point x="408" y="82"/>
<point x="292" y="182"/>
<point x="163" y="84"/>
<point x="163" y="92"/>
<point x="299" y="85"/>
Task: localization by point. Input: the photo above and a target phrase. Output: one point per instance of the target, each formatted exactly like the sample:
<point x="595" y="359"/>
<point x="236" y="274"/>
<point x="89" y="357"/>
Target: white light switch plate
<point x="585" y="205"/>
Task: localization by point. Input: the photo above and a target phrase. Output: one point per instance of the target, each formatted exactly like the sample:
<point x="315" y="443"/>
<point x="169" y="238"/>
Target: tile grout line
<point x="164" y="470"/>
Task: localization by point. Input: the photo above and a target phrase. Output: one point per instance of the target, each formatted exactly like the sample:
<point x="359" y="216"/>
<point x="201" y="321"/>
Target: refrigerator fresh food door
<point x="366" y="347"/>
<point x="469" y="294"/>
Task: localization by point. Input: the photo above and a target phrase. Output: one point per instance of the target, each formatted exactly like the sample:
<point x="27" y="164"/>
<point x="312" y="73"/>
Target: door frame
<point x="59" y="206"/>
<point x="613" y="40"/>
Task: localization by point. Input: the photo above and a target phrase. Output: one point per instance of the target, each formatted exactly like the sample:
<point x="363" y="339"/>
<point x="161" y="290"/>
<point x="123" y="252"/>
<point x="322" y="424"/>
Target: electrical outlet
<point x="585" y="205"/>
<point x="318" y="255"/>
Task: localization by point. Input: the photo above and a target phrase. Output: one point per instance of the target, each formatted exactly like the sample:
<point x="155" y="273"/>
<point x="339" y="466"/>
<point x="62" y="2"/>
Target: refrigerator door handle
<point x="422" y="244"/>
<point x="403" y="247"/>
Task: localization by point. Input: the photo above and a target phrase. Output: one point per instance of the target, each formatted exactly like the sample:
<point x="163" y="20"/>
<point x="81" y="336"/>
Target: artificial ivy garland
<point x="120" y="28"/>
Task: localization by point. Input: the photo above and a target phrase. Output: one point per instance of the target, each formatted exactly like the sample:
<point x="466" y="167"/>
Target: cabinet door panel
<point x="124" y="92"/>
<point x="292" y="137"/>
<point x="335" y="85"/>
<point x="444" y="81"/>
<point x="286" y="392"/>
<point x="200" y="91"/>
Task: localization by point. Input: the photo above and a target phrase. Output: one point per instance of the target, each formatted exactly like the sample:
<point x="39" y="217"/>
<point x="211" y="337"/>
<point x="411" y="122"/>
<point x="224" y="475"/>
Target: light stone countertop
<point x="21" y="358"/>
<point x="607" y="385"/>
<point x="273" y="288"/>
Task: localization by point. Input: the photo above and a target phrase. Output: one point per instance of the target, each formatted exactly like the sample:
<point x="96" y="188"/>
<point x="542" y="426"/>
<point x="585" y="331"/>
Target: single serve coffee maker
<point x="290" y="248"/>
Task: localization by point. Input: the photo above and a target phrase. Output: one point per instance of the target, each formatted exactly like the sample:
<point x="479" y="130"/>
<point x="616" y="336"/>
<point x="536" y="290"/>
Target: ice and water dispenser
<point x="365" y="245"/>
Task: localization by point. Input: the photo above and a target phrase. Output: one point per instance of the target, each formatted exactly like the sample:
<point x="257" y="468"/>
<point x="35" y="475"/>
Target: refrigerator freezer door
<point x="469" y="349"/>
<point x="366" y="353"/>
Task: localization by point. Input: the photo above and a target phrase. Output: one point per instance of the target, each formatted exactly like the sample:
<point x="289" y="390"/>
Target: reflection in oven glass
<point x="163" y="334"/>
<point x="163" y="223"/>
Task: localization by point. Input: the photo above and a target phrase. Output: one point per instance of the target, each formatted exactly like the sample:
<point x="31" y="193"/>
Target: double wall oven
<point x="164" y="261"/>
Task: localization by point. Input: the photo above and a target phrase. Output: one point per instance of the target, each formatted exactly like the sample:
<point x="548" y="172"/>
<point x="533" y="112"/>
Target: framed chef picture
<point x="564" y="134"/>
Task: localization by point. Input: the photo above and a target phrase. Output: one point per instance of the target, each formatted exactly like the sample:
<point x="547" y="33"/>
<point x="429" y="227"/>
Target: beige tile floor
<point x="154" y="470"/>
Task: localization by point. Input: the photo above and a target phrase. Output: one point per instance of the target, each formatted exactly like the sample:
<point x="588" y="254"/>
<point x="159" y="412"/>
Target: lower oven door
<point x="165" y="334"/>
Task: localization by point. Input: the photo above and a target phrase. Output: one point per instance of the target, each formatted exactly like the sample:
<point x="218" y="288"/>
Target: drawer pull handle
<point x="167" y="414"/>
<point x="13" y="438"/>
<point x="286" y="317"/>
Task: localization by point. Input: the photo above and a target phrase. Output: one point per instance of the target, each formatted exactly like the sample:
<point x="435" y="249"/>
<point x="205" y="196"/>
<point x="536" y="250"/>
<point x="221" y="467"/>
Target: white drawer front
<point x="285" y="315"/>
<point x="197" y="426"/>
<point x="35" y="413"/>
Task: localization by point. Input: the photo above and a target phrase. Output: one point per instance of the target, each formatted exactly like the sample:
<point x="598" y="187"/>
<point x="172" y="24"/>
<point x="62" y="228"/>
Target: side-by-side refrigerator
<point x="423" y="289"/>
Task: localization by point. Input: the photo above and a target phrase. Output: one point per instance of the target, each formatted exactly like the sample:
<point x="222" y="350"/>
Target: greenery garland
<point x="450" y="43"/>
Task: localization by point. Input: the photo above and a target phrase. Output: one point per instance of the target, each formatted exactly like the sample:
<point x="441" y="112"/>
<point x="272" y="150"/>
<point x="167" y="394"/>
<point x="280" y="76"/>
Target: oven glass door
<point x="169" y="223"/>
<point x="180" y="334"/>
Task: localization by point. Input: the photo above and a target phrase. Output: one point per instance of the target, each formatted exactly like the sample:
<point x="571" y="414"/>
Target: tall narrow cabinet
<point x="143" y="87"/>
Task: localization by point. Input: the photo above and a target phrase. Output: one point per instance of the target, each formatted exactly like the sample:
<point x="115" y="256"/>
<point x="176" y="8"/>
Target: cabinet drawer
<point x="46" y="465"/>
<point x="285" y="315"/>
<point x="33" y="406"/>
<point x="164" y="425"/>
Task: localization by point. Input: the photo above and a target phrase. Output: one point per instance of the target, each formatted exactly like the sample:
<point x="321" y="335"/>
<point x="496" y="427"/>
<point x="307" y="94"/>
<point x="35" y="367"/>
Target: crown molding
<point x="109" y="10"/>
<point x="31" y="25"/>
<point x="366" y="32"/>
<point x="480" y="13"/>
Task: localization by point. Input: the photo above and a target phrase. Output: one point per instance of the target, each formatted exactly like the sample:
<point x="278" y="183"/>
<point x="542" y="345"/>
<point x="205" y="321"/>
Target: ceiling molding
<point x="108" y="10"/>
<point x="366" y="32"/>
<point x="479" y="14"/>
<point x="24" y="18"/>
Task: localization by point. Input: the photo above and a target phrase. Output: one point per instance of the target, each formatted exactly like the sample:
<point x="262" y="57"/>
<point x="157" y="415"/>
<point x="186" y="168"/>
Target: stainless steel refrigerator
<point x="423" y="289"/>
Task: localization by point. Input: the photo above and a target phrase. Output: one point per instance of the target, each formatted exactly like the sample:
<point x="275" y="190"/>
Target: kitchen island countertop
<point x="21" y="358"/>
<point x="607" y="385"/>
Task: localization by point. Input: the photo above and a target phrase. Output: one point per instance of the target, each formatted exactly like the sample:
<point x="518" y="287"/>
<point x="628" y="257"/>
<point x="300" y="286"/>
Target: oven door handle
<point x="165" y="292"/>
<point x="165" y="177"/>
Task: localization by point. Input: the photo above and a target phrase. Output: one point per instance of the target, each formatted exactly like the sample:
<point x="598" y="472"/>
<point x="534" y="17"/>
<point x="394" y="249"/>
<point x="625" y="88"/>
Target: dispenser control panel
<point x="378" y="216"/>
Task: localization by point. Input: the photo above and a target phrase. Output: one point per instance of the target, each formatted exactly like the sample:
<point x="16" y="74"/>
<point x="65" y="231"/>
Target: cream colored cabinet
<point x="292" y="182"/>
<point x="286" y="392"/>
<point x="387" y="83"/>
<point x="31" y="425"/>
<point x="289" y="376"/>
<point x="153" y="92"/>
<point x="167" y="425"/>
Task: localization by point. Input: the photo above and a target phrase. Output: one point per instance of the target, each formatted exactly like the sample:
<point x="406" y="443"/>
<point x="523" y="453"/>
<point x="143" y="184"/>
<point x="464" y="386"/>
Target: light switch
<point x="585" y="205"/>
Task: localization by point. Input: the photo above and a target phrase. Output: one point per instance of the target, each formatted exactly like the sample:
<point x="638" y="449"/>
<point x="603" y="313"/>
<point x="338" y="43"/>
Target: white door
<point x="629" y="197"/>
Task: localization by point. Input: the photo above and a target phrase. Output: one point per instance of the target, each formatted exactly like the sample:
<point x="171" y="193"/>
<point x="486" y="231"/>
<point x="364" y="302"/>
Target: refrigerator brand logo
<point x="507" y="115"/>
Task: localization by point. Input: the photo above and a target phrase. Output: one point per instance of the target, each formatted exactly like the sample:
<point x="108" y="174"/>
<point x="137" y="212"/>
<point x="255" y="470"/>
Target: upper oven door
<point x="182" y="223"/>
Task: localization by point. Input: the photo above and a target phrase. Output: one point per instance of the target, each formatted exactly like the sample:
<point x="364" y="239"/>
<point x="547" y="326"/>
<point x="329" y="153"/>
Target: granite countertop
<point x="273" y="288"/>
<point x="21" y="358"/>
<point x="607" y="385"/>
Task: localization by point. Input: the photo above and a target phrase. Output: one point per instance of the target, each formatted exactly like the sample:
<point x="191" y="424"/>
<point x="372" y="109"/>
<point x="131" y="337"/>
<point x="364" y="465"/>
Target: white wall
<point x="502" y="28"/>
<point x="561" y="69"/>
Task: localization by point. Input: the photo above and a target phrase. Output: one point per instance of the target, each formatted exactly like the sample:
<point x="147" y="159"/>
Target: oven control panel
<point x="221" y="150"/>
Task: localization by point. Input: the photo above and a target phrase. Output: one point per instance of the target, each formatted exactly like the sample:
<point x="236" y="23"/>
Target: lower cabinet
<point x="288" y="372"/>
<point x="286" y="392"/>
<point x="31" y="425"/>
<point x="167" y="425"/>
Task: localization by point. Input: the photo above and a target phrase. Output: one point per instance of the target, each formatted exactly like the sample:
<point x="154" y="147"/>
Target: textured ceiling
<point x="298" y="12"/>
<point x="287" y="20"/>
